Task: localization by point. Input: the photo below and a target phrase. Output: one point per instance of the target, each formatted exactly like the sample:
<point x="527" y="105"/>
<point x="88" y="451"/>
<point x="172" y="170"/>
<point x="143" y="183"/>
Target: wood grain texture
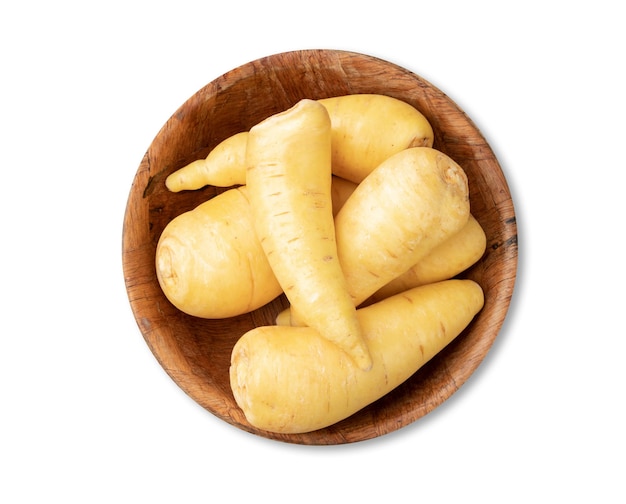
<point x="196" y="352"/>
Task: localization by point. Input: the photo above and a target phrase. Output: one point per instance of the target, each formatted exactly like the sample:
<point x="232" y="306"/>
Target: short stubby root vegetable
<point x="210" y="263"/>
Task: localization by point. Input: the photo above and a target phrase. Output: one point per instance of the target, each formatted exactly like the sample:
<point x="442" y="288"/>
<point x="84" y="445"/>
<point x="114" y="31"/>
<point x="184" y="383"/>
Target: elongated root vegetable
<point x="408" y="205"/>
<point x="445" y="261"/>
<point x="210" y="263"/>
<point x="292" y="380"/>
<point x="369" y="128"/>
<point x="223" y="167"/>
<point x="365" y="130"/>
<point x="289" y="183"/>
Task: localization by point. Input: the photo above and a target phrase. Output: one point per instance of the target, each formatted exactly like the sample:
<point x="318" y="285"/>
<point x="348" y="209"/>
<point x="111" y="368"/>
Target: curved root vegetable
<point x="223" y="167"/>
<point x="365" y="130"/>
<point x="445" y="261"/>
<point x="292" y="380"/>
<point x="209" y="262"/>
<point x="289" y="183"/>
<point x="408" y="205"/>
<point x="369" y="128"/>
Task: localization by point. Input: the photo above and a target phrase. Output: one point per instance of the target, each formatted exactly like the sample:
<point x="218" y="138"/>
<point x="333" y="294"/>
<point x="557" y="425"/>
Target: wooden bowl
<point x="196" y="352"/>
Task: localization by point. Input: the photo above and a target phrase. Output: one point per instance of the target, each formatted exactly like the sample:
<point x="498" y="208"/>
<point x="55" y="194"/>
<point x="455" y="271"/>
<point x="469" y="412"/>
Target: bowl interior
<point x="196" y="352"/>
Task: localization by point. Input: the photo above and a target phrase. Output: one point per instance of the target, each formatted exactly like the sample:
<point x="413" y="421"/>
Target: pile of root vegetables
<point x="344" y="206"/>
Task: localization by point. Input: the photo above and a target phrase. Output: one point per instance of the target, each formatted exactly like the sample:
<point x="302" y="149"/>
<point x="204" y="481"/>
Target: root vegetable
<point x="445" y="261"/>
<point x="289" y="183"/>
<point x="293" y="380"/>
<point x="209" y="262"/>
<point x="223" y="167"/>
<point x="369" y="128"/>
<point x="365" y="130"/>
<point x="407" y="206"/>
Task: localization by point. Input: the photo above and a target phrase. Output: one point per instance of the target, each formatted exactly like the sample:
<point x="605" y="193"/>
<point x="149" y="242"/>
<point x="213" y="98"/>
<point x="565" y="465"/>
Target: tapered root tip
<point x="173" y="183"/>
<point x="363" y="360"/>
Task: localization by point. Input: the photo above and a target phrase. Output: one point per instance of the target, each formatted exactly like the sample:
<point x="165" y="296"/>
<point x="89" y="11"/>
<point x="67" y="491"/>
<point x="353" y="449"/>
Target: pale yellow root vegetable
<point x="223" y="167"/>
<point x="289" y="184"/>
<point x="292" y="380"/>
<point x="365" y="130"/>
<point x="445" y="261"/>
<point x="210" y="263"/>
<point x="369" y="128"/>
<point x="407" y="206"/>
<point x="284" y="318"/>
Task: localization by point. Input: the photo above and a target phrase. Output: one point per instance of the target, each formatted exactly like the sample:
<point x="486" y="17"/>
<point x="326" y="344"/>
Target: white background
<point x="87" y="415"/>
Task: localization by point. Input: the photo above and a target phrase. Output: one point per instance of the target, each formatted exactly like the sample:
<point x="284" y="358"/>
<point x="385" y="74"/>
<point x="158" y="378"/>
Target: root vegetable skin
<point x="292" y="380"/>
<point x="223" y="167"/>
<point x="407" y="206"/>
<point x="365" y="130"/>
<point x="289" y="183"/>
<point x="369" y="128"/>
<point x="445" y="261"/>
<point x="209" y="262"/>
